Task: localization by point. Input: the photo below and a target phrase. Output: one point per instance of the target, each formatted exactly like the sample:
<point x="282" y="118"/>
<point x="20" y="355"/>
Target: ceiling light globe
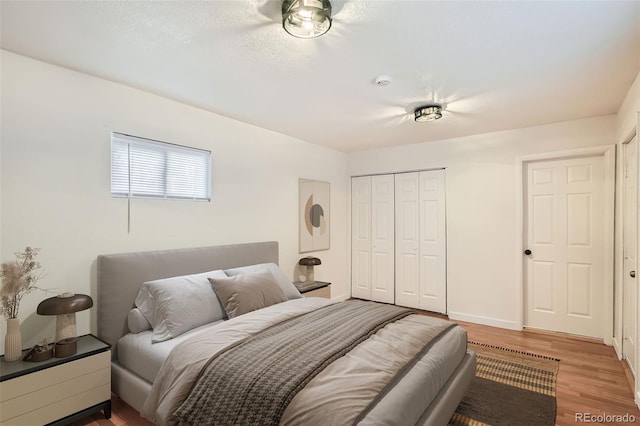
<point x="306" y="18"/>
<point x="428" y="113"/>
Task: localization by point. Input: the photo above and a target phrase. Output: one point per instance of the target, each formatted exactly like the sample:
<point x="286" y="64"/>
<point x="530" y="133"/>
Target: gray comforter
<point x="253" y="381"/>
<point x="335" y="395"/>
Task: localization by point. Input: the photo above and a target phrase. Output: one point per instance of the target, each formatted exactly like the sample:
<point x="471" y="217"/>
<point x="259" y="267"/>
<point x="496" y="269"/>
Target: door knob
<point x="633" y="274"/>
<point x="527" y="252"/>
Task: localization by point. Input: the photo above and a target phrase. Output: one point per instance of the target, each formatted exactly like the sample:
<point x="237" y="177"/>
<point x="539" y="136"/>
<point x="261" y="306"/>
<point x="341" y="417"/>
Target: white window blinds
<point x="144" y="168"/>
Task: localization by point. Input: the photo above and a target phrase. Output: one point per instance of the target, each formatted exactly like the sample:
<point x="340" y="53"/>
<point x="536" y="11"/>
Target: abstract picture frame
<point x="314" y="215"/>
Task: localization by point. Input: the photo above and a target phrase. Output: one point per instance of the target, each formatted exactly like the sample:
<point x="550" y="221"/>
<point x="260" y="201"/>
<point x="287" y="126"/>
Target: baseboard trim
<point x="617" y="348"/>
<point x="477" y="319"/>
<point x="341" y="298"/>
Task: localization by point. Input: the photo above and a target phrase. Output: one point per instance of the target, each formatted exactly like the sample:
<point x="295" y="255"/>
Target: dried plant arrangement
<point x="19" y="278"/>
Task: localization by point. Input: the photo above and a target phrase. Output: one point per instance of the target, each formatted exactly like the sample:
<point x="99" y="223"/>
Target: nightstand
<point x="314" y="288"/>
<point x="59" y="390"/>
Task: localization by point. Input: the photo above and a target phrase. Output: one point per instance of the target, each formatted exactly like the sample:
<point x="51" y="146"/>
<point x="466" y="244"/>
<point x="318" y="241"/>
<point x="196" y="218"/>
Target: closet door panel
<point x="407" y="239"/>
<point x="383" y="222"/>
<point x="361" y="237"/>
<point x="432" y="247"/>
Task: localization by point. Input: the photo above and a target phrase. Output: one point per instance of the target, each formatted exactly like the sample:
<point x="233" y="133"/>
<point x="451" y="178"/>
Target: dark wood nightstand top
<point x="304" y="287"/>
<point x="87" y="345"/>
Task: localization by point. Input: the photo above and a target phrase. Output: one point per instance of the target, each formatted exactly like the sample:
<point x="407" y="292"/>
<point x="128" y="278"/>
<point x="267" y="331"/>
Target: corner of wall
<point x="626" y="118"/>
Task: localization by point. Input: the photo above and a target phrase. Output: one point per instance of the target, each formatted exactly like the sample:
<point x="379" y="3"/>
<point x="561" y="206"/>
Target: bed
<point x="425" y="391"/>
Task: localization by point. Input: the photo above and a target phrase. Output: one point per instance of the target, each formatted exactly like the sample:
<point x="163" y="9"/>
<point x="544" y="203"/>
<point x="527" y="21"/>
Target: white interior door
<point x="421" y="240"/>
<point x="407" y="196"/>
<point x="433" y="264"/>
<point x="565" y="226"/>
<point x="630" y="235"/>
<point x="361" y="237"/>
<point x="382" y="249"/>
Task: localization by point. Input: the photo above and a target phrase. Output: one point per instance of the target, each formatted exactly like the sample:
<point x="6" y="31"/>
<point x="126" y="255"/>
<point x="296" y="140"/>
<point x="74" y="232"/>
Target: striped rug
<point x="510" y="388"/>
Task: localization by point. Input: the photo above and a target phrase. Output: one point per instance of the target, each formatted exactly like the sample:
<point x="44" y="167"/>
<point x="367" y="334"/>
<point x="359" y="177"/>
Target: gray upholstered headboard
<point x="120" y="276"/>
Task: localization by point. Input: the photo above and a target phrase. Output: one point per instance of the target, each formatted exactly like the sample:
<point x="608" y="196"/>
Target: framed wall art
<point x="314" y="215"/>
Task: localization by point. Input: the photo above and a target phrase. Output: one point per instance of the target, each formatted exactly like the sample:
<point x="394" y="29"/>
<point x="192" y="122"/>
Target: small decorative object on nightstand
<point x="314" y="288"/>
<point x="65" y="306"/>
<point x="57" y="391"/>
<point x="19" y="278"/>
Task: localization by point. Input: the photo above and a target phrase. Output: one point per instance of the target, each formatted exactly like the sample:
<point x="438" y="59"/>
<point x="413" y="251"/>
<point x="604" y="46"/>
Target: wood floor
<point x="590" y="379"/>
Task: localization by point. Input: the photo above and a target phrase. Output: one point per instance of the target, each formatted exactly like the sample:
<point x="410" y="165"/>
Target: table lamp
<point x="309" y="262"/>
<point x="65" y="306"/>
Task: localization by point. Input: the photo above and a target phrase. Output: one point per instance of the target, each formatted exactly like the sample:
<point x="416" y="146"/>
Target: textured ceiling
<point x="492" y="65"/>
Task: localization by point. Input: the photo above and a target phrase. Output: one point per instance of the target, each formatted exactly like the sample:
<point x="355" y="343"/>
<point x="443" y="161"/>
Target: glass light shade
<point x="428" y="113"/>
<point x="306" y="18"/>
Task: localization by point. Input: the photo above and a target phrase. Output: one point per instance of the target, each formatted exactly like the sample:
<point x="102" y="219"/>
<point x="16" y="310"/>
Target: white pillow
<point x="285" y="283"/>
<point x="176" y="305"/>
<point x="137" y="322"/>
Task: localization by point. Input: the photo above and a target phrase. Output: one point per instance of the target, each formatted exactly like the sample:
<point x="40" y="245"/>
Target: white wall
<point x="55" y="189"/>
<point x="482" y="208"/>
<point x="627" y="121"/>
<point x="627" y="117"/>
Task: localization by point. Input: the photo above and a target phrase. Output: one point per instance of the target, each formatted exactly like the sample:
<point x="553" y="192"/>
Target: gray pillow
<point x="285" y="283"/>
<point x="176" y="305"/>
<point x="247" y="292"/>
<point x="137" y="322"/>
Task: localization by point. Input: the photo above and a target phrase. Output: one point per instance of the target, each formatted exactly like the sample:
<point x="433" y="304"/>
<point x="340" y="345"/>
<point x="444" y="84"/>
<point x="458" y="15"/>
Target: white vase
<point x="13" y="341"/>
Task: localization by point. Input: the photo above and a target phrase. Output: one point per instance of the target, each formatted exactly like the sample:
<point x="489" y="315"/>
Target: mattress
<point x="137" y="354"/>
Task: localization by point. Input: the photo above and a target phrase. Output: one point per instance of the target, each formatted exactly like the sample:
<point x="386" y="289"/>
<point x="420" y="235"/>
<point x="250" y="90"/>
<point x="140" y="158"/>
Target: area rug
<point x="510" y="388"/>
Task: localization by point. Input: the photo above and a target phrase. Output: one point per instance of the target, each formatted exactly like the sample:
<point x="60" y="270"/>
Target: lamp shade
<point x="64" y="304"/>
<point x="309" y="261"/>
<point x="306" y="18"/>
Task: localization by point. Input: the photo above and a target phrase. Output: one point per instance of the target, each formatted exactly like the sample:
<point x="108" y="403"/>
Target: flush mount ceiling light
<point x="306" y="18"/>
<point x="428" y="113"/>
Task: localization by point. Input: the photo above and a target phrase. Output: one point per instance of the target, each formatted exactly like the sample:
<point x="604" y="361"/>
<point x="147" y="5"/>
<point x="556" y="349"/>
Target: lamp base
<point x="66" y="347"/>
<point x="65" y="326"/>
<point x="309" y="273"/>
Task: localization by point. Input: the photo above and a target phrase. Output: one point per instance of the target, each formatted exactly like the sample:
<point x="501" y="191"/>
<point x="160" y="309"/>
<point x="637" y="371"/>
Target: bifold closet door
<point x="373" y="238"/>
<point x="361" y="237"/>
<point x="421" y="280"/>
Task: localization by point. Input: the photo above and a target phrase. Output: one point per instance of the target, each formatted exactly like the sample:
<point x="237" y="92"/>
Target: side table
<point x="57" y="391"/>
<point x="314" y="288"/>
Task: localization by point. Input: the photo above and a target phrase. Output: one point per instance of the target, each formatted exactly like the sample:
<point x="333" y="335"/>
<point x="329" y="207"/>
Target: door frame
<point x="632" y="131"/>
<point x="621" y="273"/>
<point x="608" y="152"/>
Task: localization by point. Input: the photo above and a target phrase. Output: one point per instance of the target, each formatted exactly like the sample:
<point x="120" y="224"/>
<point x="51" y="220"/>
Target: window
<point x="144" y="168"/>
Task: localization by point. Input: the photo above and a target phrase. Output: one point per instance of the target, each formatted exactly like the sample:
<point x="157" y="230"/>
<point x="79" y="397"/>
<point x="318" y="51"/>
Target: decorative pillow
<point x="247" y="292"/>
<point x="285" y="283"/>
<point x="137" y="322"/>
<point x="176" y="305"/>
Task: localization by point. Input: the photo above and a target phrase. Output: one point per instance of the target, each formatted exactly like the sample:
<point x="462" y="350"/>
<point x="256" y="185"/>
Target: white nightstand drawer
<point x="53" y="412"/>
<point x="314" y="288"/>
<point x="321" y="292"/>
<point x="30" y="383"/>
<point x="52" y="393"/>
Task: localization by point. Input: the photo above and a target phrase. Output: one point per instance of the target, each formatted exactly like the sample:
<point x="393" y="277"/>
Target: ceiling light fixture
<point x="306" y="18"/>
<point x="428" y="113"/>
